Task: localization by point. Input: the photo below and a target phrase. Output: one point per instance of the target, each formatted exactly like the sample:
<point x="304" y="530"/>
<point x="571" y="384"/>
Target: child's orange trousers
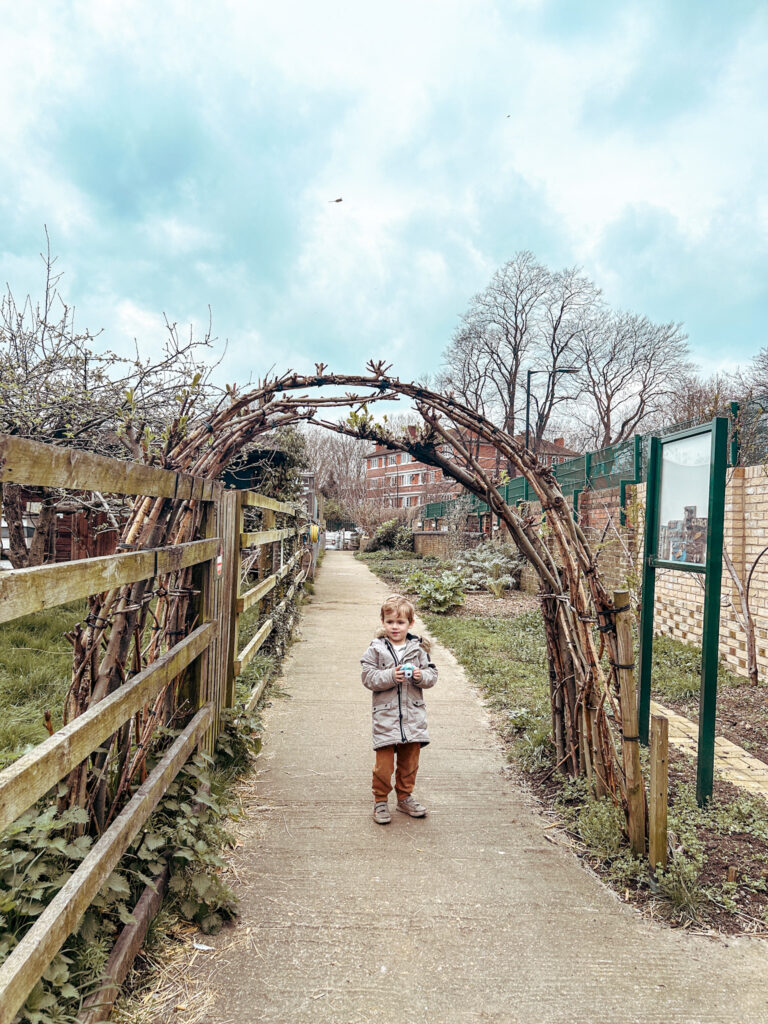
<point x="405" y="776"/>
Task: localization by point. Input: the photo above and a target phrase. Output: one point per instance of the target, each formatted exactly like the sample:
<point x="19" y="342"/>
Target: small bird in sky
<point x="339" y="200"/>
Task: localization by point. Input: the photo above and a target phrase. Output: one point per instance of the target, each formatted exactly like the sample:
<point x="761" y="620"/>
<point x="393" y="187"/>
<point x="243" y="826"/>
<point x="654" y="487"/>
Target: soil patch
<point x="512" y="604"/>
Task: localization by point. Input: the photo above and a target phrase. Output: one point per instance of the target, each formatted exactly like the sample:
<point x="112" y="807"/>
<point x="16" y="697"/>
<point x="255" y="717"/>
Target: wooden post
<point x="598" y="766"/>
<point x="629" y="718"/>
<point x="266" y="558"/>
<point x="230" y="528"/>
<point x="657" y="811"/>
<point x="204" y="677"/>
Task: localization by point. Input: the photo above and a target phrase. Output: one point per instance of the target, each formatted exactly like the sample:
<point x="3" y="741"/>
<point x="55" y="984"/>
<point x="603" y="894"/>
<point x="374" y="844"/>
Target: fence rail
<point x="278" y="569"/>
<point x="209" y="652"/>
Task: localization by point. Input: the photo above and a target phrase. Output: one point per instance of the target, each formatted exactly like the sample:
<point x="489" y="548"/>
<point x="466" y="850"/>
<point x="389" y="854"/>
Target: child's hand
<point x="399" y="674"/>
<point x="417" y="675"/>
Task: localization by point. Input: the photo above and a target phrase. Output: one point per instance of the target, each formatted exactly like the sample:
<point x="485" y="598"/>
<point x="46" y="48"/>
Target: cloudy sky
<point x="186" y="155"/>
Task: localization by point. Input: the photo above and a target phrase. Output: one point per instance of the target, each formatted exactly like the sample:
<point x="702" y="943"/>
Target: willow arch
<point x="573" y="596"/>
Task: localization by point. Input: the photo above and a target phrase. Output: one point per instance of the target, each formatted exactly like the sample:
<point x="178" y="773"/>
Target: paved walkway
<point x="732" y="762"/>
<point x="474" y="914"/>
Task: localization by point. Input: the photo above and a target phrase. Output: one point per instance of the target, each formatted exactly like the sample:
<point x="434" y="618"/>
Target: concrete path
<point x="469" y="915"/>
<point x="732" y="762"/>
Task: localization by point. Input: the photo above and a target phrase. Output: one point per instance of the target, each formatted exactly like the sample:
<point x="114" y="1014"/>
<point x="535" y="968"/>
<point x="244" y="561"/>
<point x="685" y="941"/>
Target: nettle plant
<point x="492" y="567"/>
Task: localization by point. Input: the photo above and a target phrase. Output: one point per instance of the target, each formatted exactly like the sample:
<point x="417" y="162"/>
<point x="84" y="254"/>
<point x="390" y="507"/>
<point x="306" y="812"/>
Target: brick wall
<point x="680" y="595"/>
<point x="442" y="544"/>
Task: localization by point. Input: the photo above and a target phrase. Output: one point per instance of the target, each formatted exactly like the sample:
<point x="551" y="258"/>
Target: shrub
<point x="441" y="593"/>
<point x="392" y="535"/>
<point x="490" y="566"/>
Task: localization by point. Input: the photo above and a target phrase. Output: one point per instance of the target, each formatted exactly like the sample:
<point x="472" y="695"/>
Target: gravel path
<point x="473" y="914"/>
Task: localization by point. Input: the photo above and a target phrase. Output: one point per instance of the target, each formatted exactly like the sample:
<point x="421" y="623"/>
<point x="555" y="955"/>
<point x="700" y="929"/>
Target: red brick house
<point x="399" y="480"/>
<point x="551" y="453"/>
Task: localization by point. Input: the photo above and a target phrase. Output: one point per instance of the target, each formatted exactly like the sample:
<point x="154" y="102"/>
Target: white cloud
<point x="414" y="134"/>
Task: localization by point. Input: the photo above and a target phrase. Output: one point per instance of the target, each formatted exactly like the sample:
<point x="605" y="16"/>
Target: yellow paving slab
<point x="732" y="762"/>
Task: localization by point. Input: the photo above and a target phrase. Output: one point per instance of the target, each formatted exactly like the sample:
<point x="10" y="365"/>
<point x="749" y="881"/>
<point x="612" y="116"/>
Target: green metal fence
<point x="623" y="464"/>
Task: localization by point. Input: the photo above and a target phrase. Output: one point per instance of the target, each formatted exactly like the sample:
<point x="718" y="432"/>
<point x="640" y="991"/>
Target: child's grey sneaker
<point x="412" y="807"/>
<point x="381" y="814"/>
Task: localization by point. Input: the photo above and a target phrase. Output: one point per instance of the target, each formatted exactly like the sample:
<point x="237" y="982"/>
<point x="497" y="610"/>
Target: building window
<point x="391" y="460"/>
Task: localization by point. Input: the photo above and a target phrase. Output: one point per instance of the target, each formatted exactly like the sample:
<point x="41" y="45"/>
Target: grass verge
<point x="35" y="673"/>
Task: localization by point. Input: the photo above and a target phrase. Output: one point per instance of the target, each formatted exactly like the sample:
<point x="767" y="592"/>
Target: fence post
<point x="230" y="528"/>
<point x="204" y="579"/>
<point x="629" y="722"/>
<point x="657" y="811"/>
<point x="266" y="557"/>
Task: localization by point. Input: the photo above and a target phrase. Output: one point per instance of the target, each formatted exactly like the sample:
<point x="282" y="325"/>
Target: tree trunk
<point x="20" y="554"/>
<point x="13" y="508"/>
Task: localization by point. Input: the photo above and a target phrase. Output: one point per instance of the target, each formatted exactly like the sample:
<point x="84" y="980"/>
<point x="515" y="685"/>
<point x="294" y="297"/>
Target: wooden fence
<point x="210" y="651"/>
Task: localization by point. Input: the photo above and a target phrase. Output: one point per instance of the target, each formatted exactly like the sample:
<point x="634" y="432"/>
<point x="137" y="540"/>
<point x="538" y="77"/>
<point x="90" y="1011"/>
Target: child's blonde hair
<point x="396" y="604"/>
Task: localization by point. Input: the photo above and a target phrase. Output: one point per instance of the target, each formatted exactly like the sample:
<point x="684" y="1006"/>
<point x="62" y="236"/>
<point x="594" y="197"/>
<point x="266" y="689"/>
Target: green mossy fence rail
<point x="208" y="655"/>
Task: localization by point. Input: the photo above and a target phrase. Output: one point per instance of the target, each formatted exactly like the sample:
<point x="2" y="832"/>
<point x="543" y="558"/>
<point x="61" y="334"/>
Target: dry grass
<point x="163" y="984"/>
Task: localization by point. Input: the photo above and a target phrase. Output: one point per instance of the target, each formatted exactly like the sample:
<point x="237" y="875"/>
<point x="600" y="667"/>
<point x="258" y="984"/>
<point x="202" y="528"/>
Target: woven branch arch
<point x="573" y="597"/>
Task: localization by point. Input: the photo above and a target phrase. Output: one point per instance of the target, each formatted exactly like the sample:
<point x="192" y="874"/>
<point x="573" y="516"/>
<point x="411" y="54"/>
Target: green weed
<point x="677" y="669"/>
<point x="678" y="887"/>
<point x="601" y="825"/>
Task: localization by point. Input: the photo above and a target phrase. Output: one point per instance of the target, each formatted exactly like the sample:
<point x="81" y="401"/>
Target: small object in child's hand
<point x="408" y="670"/>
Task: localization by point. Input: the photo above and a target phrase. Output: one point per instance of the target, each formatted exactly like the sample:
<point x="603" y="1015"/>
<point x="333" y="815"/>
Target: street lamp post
<point x="550" y="374"/>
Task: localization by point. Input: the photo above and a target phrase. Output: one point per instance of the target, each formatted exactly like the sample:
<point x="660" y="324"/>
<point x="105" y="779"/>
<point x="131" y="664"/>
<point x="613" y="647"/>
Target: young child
<point x="396" y="667"/>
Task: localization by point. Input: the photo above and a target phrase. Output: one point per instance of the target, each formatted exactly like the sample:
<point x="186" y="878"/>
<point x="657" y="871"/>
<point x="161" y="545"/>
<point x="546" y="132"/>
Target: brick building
<point x="399" y="480"/>
<point x="551" y="453"/>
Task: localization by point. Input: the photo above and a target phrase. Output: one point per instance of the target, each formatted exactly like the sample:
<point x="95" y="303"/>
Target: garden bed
<point x="742" y="709"/>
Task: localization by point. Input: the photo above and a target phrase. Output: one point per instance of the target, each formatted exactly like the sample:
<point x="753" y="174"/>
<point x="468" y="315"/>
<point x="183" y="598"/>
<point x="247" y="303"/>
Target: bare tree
<point x="338" y="463"/>
<point x="755" y="379"/>
<point x="55" y="387"/>
<point x="569" y="301"/>
<point x="698" y="399"/>
<point x="531" y="319"/>
<point x="467" y="370"/>
<point x="631" y="368"/>
<point x="497" y="332"/>
<point x="527" y="318"/>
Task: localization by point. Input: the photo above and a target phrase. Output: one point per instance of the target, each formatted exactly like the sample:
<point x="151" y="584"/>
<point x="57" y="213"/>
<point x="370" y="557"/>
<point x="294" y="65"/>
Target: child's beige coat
<point x="399" y="712"/>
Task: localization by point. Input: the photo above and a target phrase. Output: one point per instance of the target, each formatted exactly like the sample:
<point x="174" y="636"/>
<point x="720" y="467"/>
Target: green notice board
<point x="684" y="510"/>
